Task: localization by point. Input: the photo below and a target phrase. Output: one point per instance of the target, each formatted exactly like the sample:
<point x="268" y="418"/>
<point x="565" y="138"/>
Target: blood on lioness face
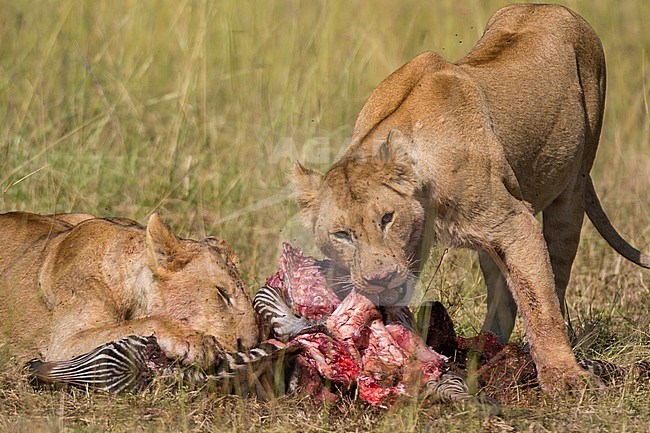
<point x="371" y="234"/>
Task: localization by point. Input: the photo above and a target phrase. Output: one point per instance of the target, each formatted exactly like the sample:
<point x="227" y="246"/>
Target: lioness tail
<point x="598" y="217"/>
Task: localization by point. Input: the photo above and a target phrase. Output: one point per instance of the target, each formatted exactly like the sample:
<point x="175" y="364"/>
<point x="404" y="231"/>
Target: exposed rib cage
<point x="272" y="307"/>
<point x="130" y="363"/>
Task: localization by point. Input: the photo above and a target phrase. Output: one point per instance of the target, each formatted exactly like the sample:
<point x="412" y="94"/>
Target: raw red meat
<point x="357" y="348"/>
<point x="330" y="357"/>
<point x="486" y="344"/>
<point x="430" y="364"/>
<point x="350" y="322"/>
<point x="384" y="363"/>
<point x="383" y="359"/>
<point x="304" y="284"/>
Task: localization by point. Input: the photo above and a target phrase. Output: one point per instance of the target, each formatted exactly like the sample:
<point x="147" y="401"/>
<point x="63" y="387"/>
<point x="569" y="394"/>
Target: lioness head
<point x="364" y="216"/>
<point x="199" y="286"/>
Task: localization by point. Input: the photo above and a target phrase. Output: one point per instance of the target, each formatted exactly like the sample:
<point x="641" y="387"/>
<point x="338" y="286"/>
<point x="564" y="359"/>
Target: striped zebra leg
<point x="271" y="306"/>
<point x="452" y="388"/>
<point x="114" y="367"/>
<point x="259" y="371"/>
<point x="131" y="362"/>
<point x="448" y="388"/>
<point x="604" y="370"/>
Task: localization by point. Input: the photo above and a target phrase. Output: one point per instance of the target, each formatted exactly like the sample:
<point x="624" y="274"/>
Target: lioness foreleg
<point x="176" y="340"/>
<point x="529" y="275"/>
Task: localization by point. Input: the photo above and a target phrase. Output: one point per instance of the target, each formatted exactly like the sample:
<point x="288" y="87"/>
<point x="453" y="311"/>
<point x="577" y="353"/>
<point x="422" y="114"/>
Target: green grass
<point x="197" y="110"/>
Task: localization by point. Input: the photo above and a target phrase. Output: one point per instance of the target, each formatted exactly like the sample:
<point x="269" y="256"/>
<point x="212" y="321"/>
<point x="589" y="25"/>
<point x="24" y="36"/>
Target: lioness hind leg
<point x="501" y="306"/>
<point x="562" y="222"/>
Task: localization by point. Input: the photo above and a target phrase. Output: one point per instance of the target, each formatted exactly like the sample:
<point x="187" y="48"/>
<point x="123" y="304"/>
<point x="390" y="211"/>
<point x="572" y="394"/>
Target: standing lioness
<point x="66" y="289"/>
<point x="470" y="152"/>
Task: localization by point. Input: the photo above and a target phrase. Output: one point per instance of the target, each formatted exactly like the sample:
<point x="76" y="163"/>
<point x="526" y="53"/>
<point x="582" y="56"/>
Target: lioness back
<point x="541" y="68"/>
<point x="23" y="308"/>
<point x="19" y="230"/>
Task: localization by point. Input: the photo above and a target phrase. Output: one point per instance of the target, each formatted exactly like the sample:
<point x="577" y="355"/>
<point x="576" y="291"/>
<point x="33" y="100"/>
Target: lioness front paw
<point x="558" y="381"/>
<point x="190" y="348"/>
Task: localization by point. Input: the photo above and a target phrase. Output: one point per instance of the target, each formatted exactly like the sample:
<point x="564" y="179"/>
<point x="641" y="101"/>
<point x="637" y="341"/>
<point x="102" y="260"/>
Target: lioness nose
<point x="380" y="278"/>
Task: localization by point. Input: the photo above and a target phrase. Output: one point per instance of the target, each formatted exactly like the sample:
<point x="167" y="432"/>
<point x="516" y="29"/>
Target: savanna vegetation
<point x="197" y="109"/>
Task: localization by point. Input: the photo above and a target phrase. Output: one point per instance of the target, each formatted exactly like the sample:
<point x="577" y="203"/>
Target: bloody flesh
<point x="304" y="284"/>
<point x="383" y="361"/>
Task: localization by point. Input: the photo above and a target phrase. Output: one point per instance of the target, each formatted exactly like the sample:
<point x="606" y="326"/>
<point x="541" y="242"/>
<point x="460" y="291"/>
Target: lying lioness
<point x="468" y="153"/>
<point x="71" y="283"/>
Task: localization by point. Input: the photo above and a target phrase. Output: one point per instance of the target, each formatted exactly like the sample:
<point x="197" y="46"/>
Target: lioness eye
<point x="224" y="295"/>
<point x="386" y="219"/>
<point x="342" y="235"/>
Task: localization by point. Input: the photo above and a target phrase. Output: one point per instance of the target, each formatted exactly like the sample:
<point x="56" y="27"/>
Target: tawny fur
<point x="71" y="283"/>
<point x="467" y="153"/>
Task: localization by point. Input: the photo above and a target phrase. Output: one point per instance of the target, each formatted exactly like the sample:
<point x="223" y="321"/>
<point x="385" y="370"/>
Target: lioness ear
<point x="164" y="248"/>
<point x="225" y="250"/>
<point x="394" y="148"/>
<point x="397" y="163"/>
<point x="307" y="185"/>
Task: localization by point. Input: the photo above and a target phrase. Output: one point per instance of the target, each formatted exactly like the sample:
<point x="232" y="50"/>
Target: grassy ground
<point x="197" y="110"/>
